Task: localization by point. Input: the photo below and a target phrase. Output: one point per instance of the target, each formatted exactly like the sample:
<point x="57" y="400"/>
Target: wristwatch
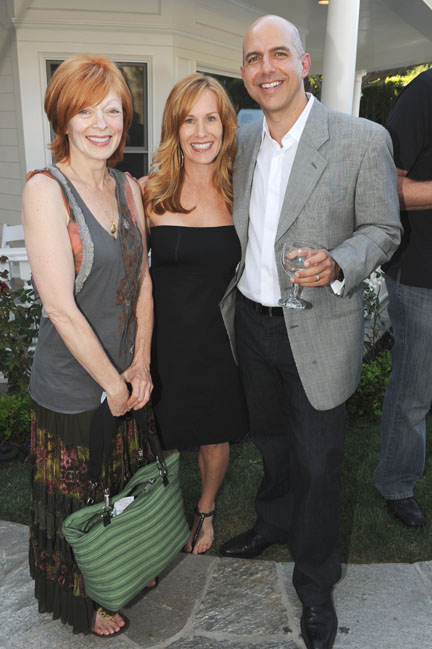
<point x="340" y="274"/>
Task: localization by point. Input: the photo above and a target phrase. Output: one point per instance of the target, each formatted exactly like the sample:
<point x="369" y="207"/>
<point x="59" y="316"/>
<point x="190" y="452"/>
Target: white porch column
<point x="357" y="92"/>
<point x="340" y="53"/>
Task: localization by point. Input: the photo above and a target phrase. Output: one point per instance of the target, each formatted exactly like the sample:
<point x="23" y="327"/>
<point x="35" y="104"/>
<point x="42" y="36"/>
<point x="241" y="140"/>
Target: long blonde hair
<point x="163" y="188"/>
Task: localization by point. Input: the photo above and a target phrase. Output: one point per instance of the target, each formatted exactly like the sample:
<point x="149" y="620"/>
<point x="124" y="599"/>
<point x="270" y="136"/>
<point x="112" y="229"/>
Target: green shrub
<point x="372" y="309"/>
<point x="20" y="311"/>
<point x="367" y="399"/>
<point x="14" y="418"/>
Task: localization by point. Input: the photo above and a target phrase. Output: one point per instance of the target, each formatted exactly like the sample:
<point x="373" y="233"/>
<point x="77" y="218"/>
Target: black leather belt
<point x="270" y="311"/>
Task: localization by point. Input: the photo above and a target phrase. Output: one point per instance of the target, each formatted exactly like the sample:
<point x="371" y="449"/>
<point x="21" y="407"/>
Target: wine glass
<point x="294" y="256"/>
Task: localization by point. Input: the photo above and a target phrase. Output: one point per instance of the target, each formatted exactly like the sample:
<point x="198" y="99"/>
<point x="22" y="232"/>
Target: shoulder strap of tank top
<point x="79" y="235"/>
<point x="127" y="196"/>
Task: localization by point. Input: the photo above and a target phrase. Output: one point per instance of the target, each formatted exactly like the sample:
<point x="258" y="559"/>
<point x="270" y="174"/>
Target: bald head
<point x="268" y="21"/>
<point x="273" y="71"/>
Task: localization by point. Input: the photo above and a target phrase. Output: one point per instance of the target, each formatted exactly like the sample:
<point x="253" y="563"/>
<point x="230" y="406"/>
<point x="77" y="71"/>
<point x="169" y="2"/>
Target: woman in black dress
<point x="198" y="399"/>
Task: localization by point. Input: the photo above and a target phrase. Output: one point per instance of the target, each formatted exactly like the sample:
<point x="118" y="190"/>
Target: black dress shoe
<point x="408" y="511"/>
<point x="319" y="626"/>
<point x="245" y="546"/>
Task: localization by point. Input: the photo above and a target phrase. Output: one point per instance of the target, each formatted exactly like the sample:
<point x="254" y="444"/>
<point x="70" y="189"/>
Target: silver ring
<point x="317" y="277"/>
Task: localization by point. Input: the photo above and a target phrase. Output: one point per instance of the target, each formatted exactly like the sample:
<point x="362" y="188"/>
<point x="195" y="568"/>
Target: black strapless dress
<point x="198" y="398"/>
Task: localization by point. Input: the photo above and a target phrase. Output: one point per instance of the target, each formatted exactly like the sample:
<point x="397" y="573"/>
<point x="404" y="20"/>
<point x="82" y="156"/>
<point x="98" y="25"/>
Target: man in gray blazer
<point x="313" y="175"/>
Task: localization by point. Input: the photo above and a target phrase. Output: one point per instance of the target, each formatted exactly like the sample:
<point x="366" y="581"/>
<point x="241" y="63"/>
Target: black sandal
<point x="202" y="516"/>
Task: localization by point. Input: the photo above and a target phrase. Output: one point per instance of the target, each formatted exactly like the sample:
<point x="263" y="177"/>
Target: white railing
<point x="17" y="263"/>
<point x="12" y="247"/>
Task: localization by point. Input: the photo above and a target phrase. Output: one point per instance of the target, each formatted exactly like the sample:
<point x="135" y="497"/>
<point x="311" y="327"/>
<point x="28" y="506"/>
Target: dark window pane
<point x="236" y="91"/>
<point x="136" y="133"/>
<point x="136" y="78"/>
<point x="135" y="163"/>
<point x="51" y="67"/>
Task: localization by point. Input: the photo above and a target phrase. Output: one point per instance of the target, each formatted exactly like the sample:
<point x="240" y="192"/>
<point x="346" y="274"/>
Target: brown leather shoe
<point x="407" y="511"/>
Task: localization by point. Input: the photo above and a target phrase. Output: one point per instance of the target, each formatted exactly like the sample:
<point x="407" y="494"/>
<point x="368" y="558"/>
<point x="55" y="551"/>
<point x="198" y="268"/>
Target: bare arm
<point x="138" y="374"/>
<point x="414" y="194"/>
<point x="51" y="260"/>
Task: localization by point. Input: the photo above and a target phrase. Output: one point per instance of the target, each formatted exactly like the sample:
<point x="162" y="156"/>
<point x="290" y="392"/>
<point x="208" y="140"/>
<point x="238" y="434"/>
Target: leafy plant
<point x="380" y="90"/>
<point x="372" y="308"/>
<point x="14" y="418"/>
<point x="20" y="311"/>
<point x="367" y="399"/>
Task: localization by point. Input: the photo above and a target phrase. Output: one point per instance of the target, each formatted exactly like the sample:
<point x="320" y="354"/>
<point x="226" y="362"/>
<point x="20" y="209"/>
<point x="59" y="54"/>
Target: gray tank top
<point x="58" y="381"/>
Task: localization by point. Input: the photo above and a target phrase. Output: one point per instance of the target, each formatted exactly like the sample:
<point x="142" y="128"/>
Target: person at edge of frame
<point x="408" y="279"/>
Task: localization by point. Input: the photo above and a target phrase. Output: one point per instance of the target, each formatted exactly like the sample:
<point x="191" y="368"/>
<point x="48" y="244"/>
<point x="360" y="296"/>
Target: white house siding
<point x="173" y="37"/>
<point x="12" y="167"/>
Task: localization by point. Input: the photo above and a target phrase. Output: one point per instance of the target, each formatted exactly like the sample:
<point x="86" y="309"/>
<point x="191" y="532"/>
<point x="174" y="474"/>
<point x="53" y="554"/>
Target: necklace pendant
<point x="113" y="228"/>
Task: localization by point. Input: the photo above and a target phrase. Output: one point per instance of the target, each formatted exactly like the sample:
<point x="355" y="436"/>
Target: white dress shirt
<point x="259" y="281"/>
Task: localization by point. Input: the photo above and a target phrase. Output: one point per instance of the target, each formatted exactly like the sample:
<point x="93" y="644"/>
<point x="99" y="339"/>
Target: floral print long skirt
<point x="60" y="486"/>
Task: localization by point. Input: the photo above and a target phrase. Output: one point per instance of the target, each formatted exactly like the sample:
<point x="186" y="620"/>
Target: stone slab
<point x="385" y="606"/>
<point x="58" y="636"/>
<point x="18" y="612"/>
<point x="203" y="642"/>
<point x="292" y="601"/>
<point x="13" y="546"/>
<point x="425" y="571"/>
<point x="243" y="597"/>
<point x="206" y="602"/>
<point x="164" y="611"/>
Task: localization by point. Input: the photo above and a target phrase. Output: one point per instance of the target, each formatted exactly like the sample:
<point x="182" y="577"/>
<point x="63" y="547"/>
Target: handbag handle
<point x="141" y="422"/>
<point x="103" y="429"/>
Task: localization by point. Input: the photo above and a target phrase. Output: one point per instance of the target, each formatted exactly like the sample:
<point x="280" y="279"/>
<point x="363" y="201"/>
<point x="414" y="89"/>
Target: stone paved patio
<point x="206" y="602"/>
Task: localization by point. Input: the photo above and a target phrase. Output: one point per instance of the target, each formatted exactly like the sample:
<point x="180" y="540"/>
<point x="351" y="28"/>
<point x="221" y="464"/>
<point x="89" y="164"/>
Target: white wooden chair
<point x="12" y="234"/>
<point x="13" y="247"/>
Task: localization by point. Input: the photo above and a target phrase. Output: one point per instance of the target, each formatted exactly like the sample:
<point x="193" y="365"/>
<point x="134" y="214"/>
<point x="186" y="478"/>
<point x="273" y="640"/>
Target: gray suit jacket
<point x="342" y="196"/>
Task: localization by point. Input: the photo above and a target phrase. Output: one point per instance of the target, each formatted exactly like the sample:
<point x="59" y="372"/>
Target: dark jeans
<point x="409" y="391"/>
<point x="298" y="500"/>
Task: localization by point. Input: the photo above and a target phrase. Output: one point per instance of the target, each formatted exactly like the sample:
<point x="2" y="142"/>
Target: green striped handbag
<point x="119" y="555"/>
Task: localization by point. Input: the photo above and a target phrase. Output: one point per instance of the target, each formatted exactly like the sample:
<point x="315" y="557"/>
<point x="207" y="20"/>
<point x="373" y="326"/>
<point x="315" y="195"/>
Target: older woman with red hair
<point x="84" y="228"/>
